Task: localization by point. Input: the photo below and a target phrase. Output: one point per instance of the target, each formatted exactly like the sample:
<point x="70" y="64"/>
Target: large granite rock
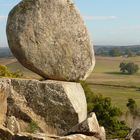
<point x="54" y="106"/>
<point x="49" y="37"/>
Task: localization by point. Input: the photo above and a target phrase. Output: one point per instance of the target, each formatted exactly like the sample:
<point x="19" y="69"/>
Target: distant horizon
<point x="96" y="45"/>
<point x="116" y="23"/>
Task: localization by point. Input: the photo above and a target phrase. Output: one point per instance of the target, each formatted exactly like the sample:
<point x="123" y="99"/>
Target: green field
<point x="107" y="80"/>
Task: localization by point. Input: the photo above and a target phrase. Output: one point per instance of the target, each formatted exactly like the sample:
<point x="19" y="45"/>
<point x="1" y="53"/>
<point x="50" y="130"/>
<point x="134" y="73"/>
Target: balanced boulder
<point x="49" y="37"/>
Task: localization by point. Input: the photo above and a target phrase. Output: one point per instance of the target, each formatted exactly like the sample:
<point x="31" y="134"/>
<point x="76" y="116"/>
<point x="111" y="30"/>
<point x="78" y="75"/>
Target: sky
<point x="110" y="22"/>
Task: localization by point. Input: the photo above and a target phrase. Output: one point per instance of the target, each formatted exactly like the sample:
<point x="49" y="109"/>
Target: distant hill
<point x="5" y="52"/>
<point x="110" y="50"/>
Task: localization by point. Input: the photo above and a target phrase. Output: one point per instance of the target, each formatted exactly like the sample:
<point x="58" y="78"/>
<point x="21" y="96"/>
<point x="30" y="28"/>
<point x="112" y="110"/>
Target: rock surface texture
<point x="49" y="37"/>
<point x="90" y="126"/>
<point x="58" y="108"/>
<point x="6" y="134"/>
<point x="55" y="106"/>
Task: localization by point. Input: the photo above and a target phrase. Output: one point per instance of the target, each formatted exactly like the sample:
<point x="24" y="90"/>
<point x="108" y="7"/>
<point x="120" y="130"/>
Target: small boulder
<point x="89" y="127"/>
<point x="78" y="137"/>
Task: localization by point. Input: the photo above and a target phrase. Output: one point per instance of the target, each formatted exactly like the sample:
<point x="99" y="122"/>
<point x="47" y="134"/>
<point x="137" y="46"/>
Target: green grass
<point x="119" y="95"/>
<point x="107" y="80"/>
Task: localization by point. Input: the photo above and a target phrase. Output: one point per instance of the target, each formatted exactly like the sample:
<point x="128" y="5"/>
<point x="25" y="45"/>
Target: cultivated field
<point x="107" y="80"/>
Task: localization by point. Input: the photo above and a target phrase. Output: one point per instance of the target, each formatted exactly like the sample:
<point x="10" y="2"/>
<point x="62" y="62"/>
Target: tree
<point x="130" y="68"/>
<point x="122" y="67"/>
<point x="106" y="113"/>
<point x="129" y="53"/>
<point x="115" y="52"/>
<point x="132" y="106"/>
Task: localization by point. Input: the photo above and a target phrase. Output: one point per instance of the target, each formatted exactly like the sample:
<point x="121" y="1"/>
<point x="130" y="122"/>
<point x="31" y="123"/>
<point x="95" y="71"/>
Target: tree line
<point x="118" y="51"/>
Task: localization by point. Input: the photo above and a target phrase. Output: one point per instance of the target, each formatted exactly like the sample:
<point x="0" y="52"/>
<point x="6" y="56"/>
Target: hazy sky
<point x="110" y="22"/>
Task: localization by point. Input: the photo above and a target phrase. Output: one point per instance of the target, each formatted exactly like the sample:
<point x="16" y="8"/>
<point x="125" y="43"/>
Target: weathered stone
<point x="102" y="133"/>
<point x="89" y="127"/>
<point x="49" y="37"/>
<point x="13" y="125"/>
<point x="6" y="134"/>
<point x="4" y="92"/>
<point x="78" y="137"/>
<point x="27" y="136"/>
<point x="55" y="106"/>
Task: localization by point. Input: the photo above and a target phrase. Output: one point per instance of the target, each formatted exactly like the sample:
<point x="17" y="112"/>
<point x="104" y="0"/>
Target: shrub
<point x="132" y="107"/>
<point x="106" y="113"/>
<point x="89" y="96"/>
<point x="4" y="72"/>
<point x="130" y="68"/>
<point x="32" y="127"/>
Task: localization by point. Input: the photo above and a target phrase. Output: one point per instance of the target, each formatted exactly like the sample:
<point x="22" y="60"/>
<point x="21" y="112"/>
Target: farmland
<point x="107" y="80"/>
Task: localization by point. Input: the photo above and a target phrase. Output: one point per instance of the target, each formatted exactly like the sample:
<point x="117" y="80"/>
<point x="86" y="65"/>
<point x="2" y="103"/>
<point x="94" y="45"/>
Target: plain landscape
<point x="106" y="78"/>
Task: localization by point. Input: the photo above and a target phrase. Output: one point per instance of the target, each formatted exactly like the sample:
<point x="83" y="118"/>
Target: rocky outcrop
<point x="58" y="110"/>
<point x="49" y="37"/>
<point x="55" y="106"/>
<point x="6" y="134"/>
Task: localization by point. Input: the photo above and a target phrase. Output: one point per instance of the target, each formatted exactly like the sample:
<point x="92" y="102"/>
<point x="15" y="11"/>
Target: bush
<point x="89" y="96"/>
<point x="106" y="113"/>
<point x="4" y="72"/>
<point x="132" y="107"/>
<point x="32" y="127"/>
<point x="130" y="68"/>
